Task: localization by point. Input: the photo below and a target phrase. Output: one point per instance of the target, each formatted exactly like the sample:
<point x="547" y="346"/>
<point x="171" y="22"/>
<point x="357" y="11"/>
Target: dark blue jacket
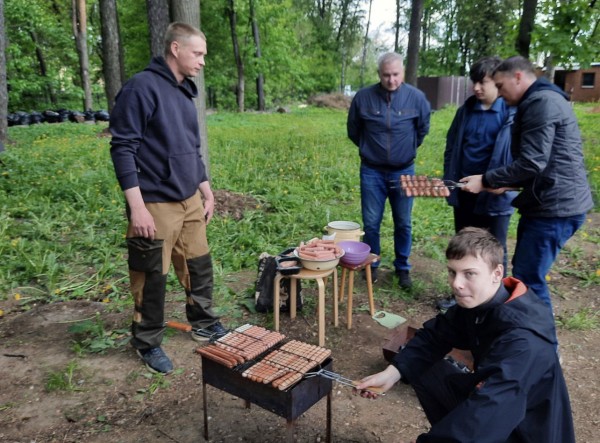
<point x="155" y="135"/>
<point x="388" y="127"/>
<point x="519" y="392"/>
<point x="487" y="203"/>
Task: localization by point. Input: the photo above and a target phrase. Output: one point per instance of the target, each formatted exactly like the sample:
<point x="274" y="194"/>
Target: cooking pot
<point x="344" y="230"/>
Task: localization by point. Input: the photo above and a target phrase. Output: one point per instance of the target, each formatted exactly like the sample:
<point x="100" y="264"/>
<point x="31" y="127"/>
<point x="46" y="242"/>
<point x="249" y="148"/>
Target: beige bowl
<point x="318" y="265"/>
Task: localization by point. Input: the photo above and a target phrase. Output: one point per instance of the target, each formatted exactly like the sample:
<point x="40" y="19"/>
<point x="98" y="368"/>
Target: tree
<point x="112" y="67"/>
<point x="3" y="89"/>
<point x="260" y="90"/>
<point x="239" y="62"/>
<point x="158" y="20"/>
<point x="526" y="27"/>
<point x="412" y="52"/>
<point x="80" y="33"/>
<point x="188" y="11"/>
<point x="363" y="61"/>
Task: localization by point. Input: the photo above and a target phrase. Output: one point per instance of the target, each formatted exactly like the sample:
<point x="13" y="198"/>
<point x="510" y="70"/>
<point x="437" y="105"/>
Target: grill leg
<point x="205" y="411"/>
<point x="328" y="437"/>
<point x="289" y="430"/>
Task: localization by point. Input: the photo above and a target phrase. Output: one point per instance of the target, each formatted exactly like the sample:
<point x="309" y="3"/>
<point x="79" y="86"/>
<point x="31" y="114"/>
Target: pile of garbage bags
<point x="62" y="115"/>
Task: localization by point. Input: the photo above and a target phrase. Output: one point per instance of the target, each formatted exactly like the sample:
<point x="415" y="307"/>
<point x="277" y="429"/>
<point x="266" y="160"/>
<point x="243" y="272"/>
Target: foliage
<point x="62" y="218"/>
<point x="584" y="319"/>
<point x="90" y="336"/>
<point x="307" y="47"/>
<point x="63" y="380"/>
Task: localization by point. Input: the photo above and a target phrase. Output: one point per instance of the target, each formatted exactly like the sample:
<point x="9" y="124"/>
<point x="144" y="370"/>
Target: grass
<point x="62" y="218"/>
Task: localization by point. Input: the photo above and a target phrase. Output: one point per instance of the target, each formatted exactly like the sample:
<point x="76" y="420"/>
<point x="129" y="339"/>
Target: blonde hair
<point x="178" y="32"/>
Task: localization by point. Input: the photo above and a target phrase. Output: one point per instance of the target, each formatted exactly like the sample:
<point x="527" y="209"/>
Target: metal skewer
<point x="342" y="380"/>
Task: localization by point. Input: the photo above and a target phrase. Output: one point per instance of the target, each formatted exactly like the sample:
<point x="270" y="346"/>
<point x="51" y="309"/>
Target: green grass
<point x="62" y="218"/>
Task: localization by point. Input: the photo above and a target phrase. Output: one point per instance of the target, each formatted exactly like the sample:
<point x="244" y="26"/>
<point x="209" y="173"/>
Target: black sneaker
<point x="156" y="360"/>
<point x="404" y="280"/>
<point x="212" y="332"/>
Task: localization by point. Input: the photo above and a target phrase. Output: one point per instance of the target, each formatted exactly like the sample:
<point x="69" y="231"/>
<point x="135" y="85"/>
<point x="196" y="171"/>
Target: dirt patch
<point x="113" y="398"/>
<point x="333" y="101"/>
<point x="232" y="204"/>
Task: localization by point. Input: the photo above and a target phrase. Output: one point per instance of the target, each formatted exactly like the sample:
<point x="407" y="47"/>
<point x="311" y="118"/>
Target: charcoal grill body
<point x="289" y="404"/>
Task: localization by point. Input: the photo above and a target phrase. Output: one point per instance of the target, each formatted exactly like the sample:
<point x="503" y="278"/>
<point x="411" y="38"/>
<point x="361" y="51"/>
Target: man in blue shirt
<point x="388" y="122"/>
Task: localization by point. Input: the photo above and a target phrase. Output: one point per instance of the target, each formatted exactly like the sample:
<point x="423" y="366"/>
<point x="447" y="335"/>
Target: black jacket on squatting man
<point x="519" y="392"/>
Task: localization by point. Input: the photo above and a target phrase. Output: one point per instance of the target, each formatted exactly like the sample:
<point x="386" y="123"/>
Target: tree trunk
<point x="363" y="62"/>
<point x="397" y="28"/>
<point x="526" y="27"/>
<point x="39" y="54"/>
<point x="3" y="88"/>
<point x="111" y="44"/>
<point x="412" y="52"/>
<point x="239" y="90"/>
<point x="260" y="90"/>
<point x="80" y="34"/>
<point x="188" y="11"/>
<point x="158" y="21"/>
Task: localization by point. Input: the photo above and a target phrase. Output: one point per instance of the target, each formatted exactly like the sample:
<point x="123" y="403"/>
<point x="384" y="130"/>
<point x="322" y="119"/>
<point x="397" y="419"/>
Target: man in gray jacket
<point x="548" y="166"/>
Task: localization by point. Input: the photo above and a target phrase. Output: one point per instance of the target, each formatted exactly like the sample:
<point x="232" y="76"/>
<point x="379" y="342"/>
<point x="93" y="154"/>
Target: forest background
<point x="75" y="54"/>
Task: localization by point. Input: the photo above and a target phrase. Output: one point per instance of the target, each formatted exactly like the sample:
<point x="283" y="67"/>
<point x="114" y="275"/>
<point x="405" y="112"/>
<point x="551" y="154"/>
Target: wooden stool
<point x="321" y="278"/>
<point x="366" y="265"/>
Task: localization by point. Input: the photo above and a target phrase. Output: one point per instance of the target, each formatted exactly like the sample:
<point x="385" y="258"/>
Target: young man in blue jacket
<point x="516" y="392"/>
<point x="388" y="122"/>
<point x="548" y="166"/>
<point x="479" y="139"/>
<point x="155" y="151"/>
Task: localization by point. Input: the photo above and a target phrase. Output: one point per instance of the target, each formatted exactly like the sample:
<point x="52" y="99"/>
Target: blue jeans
<point x="539" y="240"/>
<point x="375" y="187"/>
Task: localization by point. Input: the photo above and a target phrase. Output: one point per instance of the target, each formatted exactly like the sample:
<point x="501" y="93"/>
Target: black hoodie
<point x="155" y="135"/>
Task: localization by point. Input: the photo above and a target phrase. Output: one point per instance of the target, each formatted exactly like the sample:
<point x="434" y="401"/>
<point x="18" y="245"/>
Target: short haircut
<point x="514" y="64"/>
<point x="389" y="57"/>
<point x="476" y="242"/>
<point x="484" y="67"/>
<point x="178" y="32"/>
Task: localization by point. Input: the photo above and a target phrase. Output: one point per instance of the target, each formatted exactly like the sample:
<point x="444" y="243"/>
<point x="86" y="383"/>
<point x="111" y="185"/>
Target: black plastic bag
<point x="265" y="290"/>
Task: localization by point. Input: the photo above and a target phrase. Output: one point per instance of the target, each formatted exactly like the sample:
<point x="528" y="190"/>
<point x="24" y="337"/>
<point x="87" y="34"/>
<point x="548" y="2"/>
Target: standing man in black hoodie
<point x="155" y="151"/>
<point x="548" y="166"/>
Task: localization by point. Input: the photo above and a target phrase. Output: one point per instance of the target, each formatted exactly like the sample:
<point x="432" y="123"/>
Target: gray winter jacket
<point x="548" y="157"/>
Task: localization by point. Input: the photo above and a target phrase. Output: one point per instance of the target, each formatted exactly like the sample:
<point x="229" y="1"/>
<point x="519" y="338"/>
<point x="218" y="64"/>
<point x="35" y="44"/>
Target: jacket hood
<point x="159" y="66"/>
<point x="542" y="84"/>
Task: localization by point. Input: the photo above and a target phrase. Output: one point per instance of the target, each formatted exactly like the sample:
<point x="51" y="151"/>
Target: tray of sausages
<point x="241" y="345"/>
<point x="286" y="366"/>
<point x="423" y="186"/>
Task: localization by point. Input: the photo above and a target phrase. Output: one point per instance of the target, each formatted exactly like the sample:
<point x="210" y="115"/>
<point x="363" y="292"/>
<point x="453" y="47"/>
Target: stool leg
<point x="321" y="311"/>
<point x="335" y="298"/>
<point x="293" y="295"/>
<point x="370" y="290"/>
<point x="276" y="282"/>
<point x="350" y="297"/>
<point x="344" y="270"/>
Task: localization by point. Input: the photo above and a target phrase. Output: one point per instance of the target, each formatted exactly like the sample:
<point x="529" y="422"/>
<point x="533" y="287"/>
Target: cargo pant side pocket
<point x="145" y="255"/>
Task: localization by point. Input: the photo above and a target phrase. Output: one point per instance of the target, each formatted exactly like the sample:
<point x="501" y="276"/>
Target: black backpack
<point x="268" y="266"/>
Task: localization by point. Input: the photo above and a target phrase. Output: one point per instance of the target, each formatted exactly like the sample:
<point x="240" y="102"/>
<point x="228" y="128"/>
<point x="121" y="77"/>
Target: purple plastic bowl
<point x="356" y="252"/>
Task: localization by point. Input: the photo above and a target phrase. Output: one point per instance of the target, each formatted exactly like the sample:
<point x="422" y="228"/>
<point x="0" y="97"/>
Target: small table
<point x="307" y="274"/>
<point x="366" y="265"/>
